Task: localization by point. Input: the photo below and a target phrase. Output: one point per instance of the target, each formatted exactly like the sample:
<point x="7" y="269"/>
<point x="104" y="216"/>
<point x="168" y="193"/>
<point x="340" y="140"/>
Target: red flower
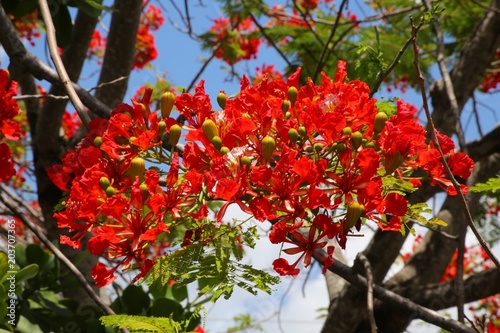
<point x="103" y="276"/>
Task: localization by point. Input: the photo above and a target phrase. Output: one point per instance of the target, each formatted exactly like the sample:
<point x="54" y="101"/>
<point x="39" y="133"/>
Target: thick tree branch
<point x="443" y="295"/>
<point x="468" y="70"/>
<point x="120" y="50"/>
<point x="20" y="57"/>
<point x="404" y="304"/>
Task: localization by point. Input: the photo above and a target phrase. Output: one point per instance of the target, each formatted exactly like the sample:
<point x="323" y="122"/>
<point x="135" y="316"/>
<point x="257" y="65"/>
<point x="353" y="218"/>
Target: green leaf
<point x="492" y="187"/>
<point x="26" y="273"/>
<point x="63" y="25"/>
<point x="135" y="299"/>
<point x="164" y="307"/>
<point x="36" y="255"/>
<point x="142" y="324"/>
<point x="4" y="267"/>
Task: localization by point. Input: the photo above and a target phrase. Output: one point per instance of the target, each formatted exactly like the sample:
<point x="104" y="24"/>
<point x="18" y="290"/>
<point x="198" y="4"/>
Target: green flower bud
<point x="380" y="120"/>
<point x="285" y="106"/>
<point x="217" y="142"/>
<point x="268" y="145"/>
<point x="104" y="183"/>
<point x="347" y="130"/>
<point x="210" y="129"/>
<point x="167" y="101"/>
<point x="221" y="100"/>
<point x="302" y="131"/>
<point x="97" y="141"/>
<point x="137" y="168"/>
<point x="224" y="150"/>
<point x="357" y="139"/>
<point x="292" y="94"/>
<point x="293" y="135"/>
<point x="355" y="210"/>
<point x="110" y="191"/>
<point x="174" y="134"/>
<point x="245" y="160"/>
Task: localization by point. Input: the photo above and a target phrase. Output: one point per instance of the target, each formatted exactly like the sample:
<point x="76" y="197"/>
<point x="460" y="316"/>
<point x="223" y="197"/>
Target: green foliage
<point x="388" y="107"/>
<point x="142" y="323"/>
<point x="397" y="185"/>
<point x="244" y="323"/>
<point x="214" y="264"/>
<point x="491" y="187"/>
<point x="417" y="211"/>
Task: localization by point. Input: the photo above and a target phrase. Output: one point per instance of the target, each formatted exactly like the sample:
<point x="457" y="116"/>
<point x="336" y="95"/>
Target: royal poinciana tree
<point x="129" y="198"/>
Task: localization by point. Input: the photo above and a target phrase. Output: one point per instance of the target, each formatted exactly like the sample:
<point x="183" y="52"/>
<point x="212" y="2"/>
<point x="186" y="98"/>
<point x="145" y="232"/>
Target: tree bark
<point x="120" y="51"/>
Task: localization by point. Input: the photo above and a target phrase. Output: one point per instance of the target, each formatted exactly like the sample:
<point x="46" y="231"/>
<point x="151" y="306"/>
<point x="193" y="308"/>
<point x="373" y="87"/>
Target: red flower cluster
<point x="311" y="159"/>
<point x="97" y="46"/>
<point x="145" y="47"/>
<point x="238" y="39"/>
<point x="9" y="128"/>
<point x="475" y="260"/>
<point x="492" y="76"/>
<point x="27" y="26"/>
<point x="266" y="72"/>
<point x="70" y="124"/>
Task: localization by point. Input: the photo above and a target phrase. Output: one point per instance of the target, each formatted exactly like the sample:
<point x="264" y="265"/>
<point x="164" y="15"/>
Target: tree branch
<point x="120" y="50"/>
<point x="26" y="61"/>
<point x="14" y="207"/>
<point x="61" y="70"/>
<point x="404" y="304"/>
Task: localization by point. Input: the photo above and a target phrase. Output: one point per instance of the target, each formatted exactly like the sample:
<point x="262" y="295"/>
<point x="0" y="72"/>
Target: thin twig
<point x="325" y="48"/>
<point x="369" y="292"/>
<point x="450" y="92"/>
<point x="270" y="40"/>
<point x="389" y="69"/>
<point x="461" y="196"/>
<point x="40" y="96"/>
<point x="51" y="40"/>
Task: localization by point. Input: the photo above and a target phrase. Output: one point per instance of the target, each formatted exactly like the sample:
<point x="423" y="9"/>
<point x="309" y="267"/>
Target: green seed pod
<point x="224" y="150"/>
<point x="293" y="135"/>
<point x="355" y="210"/>
<point x="292" y="94"/>
<point x="104" y="183"/>
<point x="167" y="101"/>
<point x="210" y="129"/>
<point x="110" y="191"/>
<point x="174" y="134"/>
<point x="217" y="142"/>
<point x="268" y="145"/>
<point x="380" y="120"/>
<point x="97" y="141"/>
<point x="357" y="139"/>
<point x="221" y="99"/>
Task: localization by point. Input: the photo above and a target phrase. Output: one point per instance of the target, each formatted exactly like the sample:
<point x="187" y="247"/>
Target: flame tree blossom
<point x="318" y="161"/>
